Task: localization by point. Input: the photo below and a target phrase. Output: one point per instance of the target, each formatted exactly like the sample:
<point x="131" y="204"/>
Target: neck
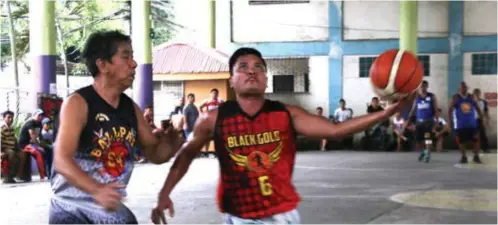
<point x="109" y="93"/>
<point x="8" y="125"/>
<point x="250" y="104"/>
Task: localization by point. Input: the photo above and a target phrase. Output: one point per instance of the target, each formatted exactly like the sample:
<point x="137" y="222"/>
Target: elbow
<point x="59" y="165"/>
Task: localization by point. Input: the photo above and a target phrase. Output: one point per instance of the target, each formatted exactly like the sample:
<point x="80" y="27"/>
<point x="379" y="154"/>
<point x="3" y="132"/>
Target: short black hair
<point x="243" y="52"/>
<point x="214" y="90"/>
<point x="342" y="100"/>
<point x="375" y="98"/>
<point x="148" y="107"/>
<point x="191" y="95"/>
<point x="319" y="108"/>
<point x="425" y="82"/>
<point x="6" y="113"/>
<point x="102" y="45"/>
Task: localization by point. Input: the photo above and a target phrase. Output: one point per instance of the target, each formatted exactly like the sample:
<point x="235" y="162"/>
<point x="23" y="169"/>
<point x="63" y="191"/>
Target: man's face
<point x="319" y="112"/>
<point x="477" y="93"/>
<point x="424" y="87"/>
<point x="249" y="76"/>
<point x="46" y="126"/>
<point x="121" y="70"/>
<point x="191" y="99"/>
<point x="463" y="88"/>
<point x="214" y="95"/>
<point x="149" y="111"/>
<point x="8" y="119"/>
<point x="375" y="103"/>
<point x="342" y="104"/>
<point x="181" y="101"/>
<point x="39" y="118"/>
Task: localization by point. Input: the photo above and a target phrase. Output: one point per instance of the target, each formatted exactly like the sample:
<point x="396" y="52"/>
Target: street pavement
<point x="336" y="187"/>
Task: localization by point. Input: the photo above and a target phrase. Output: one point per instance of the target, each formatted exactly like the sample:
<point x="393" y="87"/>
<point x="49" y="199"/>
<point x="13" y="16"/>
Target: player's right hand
<point x="157" y="215"/>
<point x="108" y="197"/>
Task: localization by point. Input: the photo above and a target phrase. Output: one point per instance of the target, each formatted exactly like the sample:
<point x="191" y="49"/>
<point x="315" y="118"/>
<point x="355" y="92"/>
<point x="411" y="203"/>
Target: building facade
<point x="324" y="49"/>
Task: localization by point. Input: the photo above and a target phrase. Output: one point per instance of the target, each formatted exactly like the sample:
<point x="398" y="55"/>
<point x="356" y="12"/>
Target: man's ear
<point x="230" y="81"/>
<point x="101" y="65"/>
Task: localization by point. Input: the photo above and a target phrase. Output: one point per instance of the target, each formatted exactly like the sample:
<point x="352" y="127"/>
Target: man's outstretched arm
<point x="315" y="126"/>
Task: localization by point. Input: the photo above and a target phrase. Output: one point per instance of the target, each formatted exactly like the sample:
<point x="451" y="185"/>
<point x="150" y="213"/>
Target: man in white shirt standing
<point x="343" y="114"/>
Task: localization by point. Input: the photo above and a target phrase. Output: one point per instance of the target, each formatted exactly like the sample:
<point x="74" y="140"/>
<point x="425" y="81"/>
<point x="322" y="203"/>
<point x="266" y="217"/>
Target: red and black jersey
<point x="256" y="155"/>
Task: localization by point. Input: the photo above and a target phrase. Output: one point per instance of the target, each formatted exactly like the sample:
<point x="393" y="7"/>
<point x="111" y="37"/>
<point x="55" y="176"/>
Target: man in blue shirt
<point x="425" y="110"/>
<point x="461" y="115"/>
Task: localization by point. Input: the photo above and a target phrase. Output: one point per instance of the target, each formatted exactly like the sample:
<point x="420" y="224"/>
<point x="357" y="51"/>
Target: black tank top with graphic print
<point x="106" y="145"/>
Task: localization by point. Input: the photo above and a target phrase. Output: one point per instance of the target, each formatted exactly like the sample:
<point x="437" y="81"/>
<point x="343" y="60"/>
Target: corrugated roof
<point x="170" y="58"/>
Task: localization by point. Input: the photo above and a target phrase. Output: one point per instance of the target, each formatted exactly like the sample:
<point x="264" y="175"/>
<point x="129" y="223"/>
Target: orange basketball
<point x="395" y="73"/>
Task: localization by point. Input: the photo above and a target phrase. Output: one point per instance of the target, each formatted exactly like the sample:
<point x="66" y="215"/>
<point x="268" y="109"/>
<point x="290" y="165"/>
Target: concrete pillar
<point x="142" y="47"/>
<point x="212" y="23"/>
<point x="408" y="26"/>
<point x="42" y="47"/>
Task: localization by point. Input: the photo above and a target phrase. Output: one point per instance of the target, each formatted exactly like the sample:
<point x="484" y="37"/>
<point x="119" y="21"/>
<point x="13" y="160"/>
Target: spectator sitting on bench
<point x="30" y="145"/>
<point x="10" y="152"/>
<point x="399" y="125"/>
<point x="440" y="131"/>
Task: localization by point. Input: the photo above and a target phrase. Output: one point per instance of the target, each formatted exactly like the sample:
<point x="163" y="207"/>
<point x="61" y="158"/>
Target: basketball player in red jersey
<point x="210" y="104"/>
<point x="255" y="140"/>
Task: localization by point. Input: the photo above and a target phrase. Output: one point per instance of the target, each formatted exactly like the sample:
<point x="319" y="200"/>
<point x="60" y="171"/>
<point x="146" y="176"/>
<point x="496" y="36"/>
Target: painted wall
<point x="318" y="89"/>
<point x="279" y="22"/>
<point x="202" y="89"/>
<point x="479" y="17"/>
<point x="380" y="19"/>
<point x="487" y="83"/>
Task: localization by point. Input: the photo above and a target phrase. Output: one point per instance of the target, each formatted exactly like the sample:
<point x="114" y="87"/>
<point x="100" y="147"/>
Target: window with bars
<point x="426" y="63"/>
<point x="269" y="2"/>
<point x="283" y="84"/>
<point x="484" y="64"/>
<point x="366" y="63"/>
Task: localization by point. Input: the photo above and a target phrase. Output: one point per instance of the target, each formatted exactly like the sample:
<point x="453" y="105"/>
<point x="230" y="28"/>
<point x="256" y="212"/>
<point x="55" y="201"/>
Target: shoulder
<point x="75" y="106"/>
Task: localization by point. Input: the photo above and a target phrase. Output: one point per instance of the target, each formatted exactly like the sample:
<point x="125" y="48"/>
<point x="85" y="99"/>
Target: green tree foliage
<point x="76" y="19"/>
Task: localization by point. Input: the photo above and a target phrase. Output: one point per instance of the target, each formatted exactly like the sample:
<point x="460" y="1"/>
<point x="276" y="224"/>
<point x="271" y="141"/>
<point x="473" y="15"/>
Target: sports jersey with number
<point x="256" y="155"/>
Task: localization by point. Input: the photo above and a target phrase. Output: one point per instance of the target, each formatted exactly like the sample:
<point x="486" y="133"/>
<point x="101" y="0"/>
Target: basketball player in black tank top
<point x="99" y="128"/>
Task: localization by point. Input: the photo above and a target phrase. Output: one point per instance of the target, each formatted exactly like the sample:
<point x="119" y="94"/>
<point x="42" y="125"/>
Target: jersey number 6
<point x="265" y="186"/>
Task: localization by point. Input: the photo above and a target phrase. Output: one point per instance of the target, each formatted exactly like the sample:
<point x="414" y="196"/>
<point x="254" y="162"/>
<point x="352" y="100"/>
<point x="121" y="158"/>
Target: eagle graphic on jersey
<point x="257" y="161"/>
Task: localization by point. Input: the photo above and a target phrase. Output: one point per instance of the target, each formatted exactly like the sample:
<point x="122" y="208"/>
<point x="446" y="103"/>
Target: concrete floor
<point x="336" y="187"/>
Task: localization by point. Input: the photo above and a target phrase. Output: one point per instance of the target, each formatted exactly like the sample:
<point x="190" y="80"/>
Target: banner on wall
<point x="491" y="98"/>
<point x="50" y="104"/>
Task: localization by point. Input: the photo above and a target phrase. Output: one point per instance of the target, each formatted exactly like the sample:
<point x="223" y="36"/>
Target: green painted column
<point x="42" y="47"/>
<point x="408" y="25"/>
<point x="142" y="47"/>
<point x="212" y="23"/>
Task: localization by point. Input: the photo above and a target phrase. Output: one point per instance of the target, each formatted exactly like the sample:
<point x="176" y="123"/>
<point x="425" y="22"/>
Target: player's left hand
<point x="157" y="215"/>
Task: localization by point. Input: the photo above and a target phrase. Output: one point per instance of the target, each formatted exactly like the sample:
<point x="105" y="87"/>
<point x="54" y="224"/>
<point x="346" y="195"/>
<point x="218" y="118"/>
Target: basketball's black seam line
<point x="411" y="77"/>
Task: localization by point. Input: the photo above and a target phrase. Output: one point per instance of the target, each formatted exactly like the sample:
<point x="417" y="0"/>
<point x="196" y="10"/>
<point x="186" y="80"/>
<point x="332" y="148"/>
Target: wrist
<point x="94" y="189"/>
